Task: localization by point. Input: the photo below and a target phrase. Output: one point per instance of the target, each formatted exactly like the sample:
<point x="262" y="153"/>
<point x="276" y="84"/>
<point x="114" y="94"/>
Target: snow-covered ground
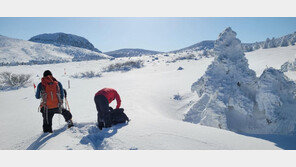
<point x="274" y="57"/>
<point x="148" y="99"/>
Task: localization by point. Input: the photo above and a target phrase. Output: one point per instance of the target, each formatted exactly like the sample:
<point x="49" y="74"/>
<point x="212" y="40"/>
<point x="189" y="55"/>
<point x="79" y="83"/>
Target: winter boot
<point x="47" y="128"/>
<point x="70" y="123"/>
<point x="101" y="125"/>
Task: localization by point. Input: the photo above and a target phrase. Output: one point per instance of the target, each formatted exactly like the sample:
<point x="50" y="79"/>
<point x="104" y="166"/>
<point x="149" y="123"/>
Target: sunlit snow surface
<point x="148" y="99"/>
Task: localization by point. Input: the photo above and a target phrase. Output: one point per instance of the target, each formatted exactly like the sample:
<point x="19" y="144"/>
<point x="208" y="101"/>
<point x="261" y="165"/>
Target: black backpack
<point x="118" y="116"/>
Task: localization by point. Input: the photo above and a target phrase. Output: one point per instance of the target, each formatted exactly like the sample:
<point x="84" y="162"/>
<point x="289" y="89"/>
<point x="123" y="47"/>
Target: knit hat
<point x="46" y="73"/>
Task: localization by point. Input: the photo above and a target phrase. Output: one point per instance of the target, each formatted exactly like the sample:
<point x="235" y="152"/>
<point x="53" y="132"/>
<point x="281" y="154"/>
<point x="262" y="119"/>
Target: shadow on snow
<point x="286" y="142"/>
<point x="96" y="137"/>
<point x="37" y="144"/>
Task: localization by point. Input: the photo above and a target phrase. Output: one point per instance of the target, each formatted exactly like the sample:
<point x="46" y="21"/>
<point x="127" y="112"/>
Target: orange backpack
<point x="50" y="92"/>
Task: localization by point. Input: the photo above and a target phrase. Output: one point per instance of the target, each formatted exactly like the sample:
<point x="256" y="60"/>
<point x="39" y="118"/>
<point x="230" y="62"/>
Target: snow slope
<point x="273" y="57"/>
<point x="148" y="98"/>
<point x="16" y="51"/>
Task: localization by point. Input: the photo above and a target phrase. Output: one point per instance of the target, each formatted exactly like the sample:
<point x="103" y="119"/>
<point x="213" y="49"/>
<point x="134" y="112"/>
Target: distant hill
<point x="208" y="45"/>
<point x="18" y="52"/>
<point x="62" y="39"/>
<point x="203" y="45"/>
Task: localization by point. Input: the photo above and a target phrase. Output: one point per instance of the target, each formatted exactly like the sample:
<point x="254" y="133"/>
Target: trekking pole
<point x="67" y="104"/>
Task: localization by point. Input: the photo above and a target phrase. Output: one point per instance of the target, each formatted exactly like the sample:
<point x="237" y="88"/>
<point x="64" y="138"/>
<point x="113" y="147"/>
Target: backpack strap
<point x="43" y="97"/>
<point x="59" y="97"/>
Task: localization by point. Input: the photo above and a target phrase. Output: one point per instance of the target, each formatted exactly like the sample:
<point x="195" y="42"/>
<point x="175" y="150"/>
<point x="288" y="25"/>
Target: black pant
<point x="47" y="117"/>
<point x="102" y="106"/>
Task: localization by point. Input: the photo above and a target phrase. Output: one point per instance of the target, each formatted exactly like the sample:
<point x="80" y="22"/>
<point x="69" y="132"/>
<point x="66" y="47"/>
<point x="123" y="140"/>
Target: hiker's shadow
<point x="96" y="137"/>
<point x="39" y="143"/>
<point x="286" y="142"/>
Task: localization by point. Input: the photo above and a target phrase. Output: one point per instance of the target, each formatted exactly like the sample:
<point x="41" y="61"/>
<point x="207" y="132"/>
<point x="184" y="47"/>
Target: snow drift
<point x="233" y="98"/>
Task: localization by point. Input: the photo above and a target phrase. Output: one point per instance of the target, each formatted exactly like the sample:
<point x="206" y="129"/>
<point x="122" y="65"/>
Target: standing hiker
<point x="51" y="93"/>
<point x="102" y="99"/>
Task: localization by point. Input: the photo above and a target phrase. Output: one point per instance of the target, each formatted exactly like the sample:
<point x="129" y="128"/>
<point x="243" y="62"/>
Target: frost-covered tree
<point x="266" y="43"/>
<point x="224" y="88"/>
<point x="233" y="98"/>
<point x="293" y="40"/>
<point x="284" y="42"/>
<point x="272" y="43"/>
<point x="256" y="46"/>
<point x="276" y="104"/>
<point x="289" y="66"/>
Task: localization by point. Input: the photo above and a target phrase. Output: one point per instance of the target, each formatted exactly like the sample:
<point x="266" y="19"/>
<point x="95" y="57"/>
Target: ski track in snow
<point x="147" y="96"/>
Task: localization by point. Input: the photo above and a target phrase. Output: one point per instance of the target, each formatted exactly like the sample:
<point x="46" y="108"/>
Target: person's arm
<point x="61" y="90"/>
<point x="37" y="95"/>
<point x="118" y="100"/>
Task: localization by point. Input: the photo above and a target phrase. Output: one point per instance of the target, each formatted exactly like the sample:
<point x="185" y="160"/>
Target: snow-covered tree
<point x="272" y="43"/>
<point x="224" y="87"/>
<point x="266" y="43"/>
<point x="289" y="66"/>
<point x="284" y="42"/>
<point x="276" y="104"/>
<point x="233" y="98"/>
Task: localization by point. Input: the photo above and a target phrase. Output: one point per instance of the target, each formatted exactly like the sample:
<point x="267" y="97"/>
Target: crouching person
<point x="51" y="93"/>
<point x="102" y="99"/>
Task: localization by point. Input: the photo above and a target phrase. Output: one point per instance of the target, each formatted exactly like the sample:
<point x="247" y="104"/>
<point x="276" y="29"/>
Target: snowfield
<point x="148" y="99"/>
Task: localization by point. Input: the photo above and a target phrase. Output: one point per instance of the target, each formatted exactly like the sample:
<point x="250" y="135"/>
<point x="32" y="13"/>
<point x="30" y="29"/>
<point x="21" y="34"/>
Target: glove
<point x="111" y="109"/>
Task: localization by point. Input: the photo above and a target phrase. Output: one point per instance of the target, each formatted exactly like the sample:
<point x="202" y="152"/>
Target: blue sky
<point x="160" y="33"/>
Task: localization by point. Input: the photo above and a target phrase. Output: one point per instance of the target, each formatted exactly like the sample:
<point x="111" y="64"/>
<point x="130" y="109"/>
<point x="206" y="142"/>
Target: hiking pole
<point x="66" y="100"/>
<point x="67" y="104"/>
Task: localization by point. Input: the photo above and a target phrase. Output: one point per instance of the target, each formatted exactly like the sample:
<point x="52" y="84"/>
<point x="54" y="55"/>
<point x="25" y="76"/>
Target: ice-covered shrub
<point x="87" y="74"/>
<point x="186" y="57"/>
<point x="125" y="66"/>
<point x="9" y="80"/>
<point x="177" y="97"/>
<point x="180" y="68"/>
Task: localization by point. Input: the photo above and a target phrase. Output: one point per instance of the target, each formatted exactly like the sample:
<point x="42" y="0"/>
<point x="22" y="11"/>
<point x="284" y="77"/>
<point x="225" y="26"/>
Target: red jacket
<point x="110" y="94"/>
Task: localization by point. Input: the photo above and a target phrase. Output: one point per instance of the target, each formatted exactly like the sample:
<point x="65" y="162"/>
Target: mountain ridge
<point x="61" y="39"/>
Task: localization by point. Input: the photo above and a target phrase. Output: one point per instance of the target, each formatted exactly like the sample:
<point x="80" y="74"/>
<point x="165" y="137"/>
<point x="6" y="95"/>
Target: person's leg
<point x="47" y="119"/>
<point x="68" y="117"/>
<point x="66" y="114"/>
<point x="102" y="106"/>
<point x="99" y="114"/>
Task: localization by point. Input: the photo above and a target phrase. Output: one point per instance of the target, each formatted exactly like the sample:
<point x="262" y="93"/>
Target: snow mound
<point x="233" y="98"/>
<point x="62" y="39"/>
